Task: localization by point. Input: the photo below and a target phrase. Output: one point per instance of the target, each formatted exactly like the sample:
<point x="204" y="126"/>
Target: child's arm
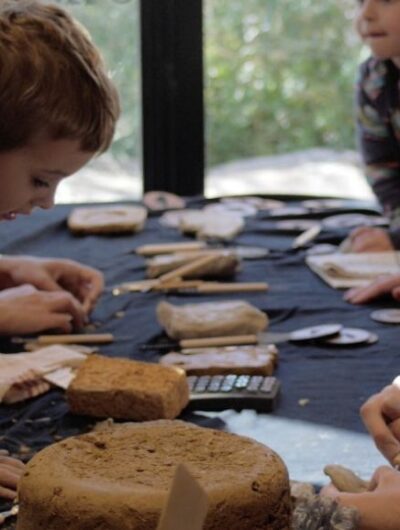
<point x="84" y="283"/>
<point x="25" y="310"/>
<point x="377" y="288"/>
<point x="381" y="416"/>
<point x="369" y="239"/>
<point x="379" y="509"/>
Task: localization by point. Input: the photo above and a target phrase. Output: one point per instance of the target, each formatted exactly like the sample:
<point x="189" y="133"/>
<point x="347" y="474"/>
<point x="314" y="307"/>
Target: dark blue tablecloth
<point x="335" y="381"/>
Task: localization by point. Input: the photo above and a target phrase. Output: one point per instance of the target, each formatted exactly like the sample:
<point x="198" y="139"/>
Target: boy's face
<point x="378" y="23"/>
<point x="29" y="175"/>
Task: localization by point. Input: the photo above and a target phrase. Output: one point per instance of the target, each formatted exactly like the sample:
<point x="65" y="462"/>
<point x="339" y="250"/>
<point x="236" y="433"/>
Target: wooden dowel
<point x="216" y="287"/>
<point x="307" y="236"/>
<point x="191" y="267"/>
<point x="169" y="248"/>
<point x="94" y="338"/>
<point x="218" y="341"/>
<point x="178" y="284"/>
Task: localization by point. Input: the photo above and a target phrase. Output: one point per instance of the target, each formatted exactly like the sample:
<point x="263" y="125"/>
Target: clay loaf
<point x="107" y="219"/>
<point x="118" y="479"/>
<point x="251" y="360"/>
<point x="223" y="226"/>
<point x="124" y="389"/>
<point x="225" y="266"/>
<point x="210" y="319"/>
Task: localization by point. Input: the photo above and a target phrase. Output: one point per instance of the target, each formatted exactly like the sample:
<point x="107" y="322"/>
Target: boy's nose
<point x="368" y="9"/>
<point x="46" y="202"/>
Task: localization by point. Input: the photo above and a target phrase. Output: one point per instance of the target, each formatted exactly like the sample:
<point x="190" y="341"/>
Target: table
<point x="333" y="381"/>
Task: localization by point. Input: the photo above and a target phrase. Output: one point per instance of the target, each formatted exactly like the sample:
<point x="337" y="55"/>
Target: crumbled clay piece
<point x="322" y="513"/>
<point x="345" y="480"/>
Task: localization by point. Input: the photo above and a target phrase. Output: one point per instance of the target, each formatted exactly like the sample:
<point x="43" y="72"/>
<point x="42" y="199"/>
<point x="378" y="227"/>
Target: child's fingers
<point x="7" y="493"/>
<point x="8" y="461"/>
<point x="9" y="477"/>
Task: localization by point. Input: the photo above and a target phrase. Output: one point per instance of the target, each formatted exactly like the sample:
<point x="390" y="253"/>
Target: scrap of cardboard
<point x="187" y="503"/>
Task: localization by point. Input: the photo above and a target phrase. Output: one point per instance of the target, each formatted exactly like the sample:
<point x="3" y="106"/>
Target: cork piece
<point x="211" y="319"/>
<point x="124" y="389"/>
<point x="118" y="478"/>
<point x="252" y="360"/>
<point x="107" y="219"/>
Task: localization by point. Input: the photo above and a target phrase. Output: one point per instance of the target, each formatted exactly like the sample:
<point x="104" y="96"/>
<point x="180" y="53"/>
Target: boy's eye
<point x="40" y="183"/>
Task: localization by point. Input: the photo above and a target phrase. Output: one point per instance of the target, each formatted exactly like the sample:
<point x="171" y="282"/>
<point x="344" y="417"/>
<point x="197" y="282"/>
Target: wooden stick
<point x="178" y="284"/>
<point x="307" y="236"/>
<point x="94" y="338"/>
<point x="134" y="287"/>
<point x="169" y="248"/>
<point x="183" y="271"/>
<point x="218" y="341"/>
<point x="217" y="287"/>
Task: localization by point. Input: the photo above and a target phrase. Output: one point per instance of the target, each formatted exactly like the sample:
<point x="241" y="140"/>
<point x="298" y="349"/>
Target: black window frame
<point x="172" y="95"/>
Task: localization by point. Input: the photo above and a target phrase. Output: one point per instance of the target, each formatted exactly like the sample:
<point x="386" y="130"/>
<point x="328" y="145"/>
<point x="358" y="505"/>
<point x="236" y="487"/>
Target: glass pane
<point x="280" y="76"/>
<point x="115" y="175"/>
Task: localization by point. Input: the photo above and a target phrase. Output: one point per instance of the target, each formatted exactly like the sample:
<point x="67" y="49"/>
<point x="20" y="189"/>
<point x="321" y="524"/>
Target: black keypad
<point x="231" y="391"/>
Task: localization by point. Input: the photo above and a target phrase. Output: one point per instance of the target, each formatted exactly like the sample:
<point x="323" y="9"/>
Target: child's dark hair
<point x="52" y="79"/>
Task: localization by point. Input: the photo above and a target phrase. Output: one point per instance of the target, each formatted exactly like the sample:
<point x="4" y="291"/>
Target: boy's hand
<point x="369" y="239"/>
<point x="25" y="310"/>
<point x="379" y="508"/>
<point x="381" y="416"/>
<point x="11" y="471"/>
<point x="84" y="283"/>
<point x="375" y="289"/>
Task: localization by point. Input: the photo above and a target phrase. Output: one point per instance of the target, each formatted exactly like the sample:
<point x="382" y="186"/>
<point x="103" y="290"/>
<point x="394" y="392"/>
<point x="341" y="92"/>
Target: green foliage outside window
<point x="279" y="73"/>
<point x="114" y="27"/>
<point x="280" y="76"/>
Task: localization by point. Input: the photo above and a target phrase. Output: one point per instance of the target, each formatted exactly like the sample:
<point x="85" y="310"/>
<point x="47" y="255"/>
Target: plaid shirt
<point x="378" y="132"/>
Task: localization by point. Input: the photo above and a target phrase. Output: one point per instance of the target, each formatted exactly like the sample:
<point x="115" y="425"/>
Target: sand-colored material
<point x="251" y="360"/>
<point x="124" y="389"/>
<point x="118" y="479"/>
<point x="107" y="219"/>
<point x="226" y="265"/>
<point x="211" y="319"/>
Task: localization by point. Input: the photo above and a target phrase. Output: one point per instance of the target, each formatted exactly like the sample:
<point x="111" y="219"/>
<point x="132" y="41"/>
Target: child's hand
<point x="381" y="416"/>
<point x="375" y="289"/>
<point x="369" y="239"/>
<point x="25" y="310"/>
<point x="11" y="471"/>
<point x="84" y="283"/>
<point x="379" y="508"/>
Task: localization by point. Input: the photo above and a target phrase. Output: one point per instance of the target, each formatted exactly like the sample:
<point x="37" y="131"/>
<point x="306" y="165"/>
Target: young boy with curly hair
<point x="58" y="109"/>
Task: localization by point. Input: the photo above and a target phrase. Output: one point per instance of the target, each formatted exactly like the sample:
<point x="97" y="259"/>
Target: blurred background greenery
<point x="279" y="75"/>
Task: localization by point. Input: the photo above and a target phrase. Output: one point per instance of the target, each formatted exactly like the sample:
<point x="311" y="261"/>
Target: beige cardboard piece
<point x="187" y="503"/>
<point x="343" y="271"/>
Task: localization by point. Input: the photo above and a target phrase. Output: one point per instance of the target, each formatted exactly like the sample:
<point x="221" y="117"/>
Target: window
<point x="279" y="97"/>
<point x="115" y="175"/>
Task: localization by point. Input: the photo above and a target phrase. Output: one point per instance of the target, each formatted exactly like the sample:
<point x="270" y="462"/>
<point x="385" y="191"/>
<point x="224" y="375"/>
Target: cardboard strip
<point x="187" y="504"/>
